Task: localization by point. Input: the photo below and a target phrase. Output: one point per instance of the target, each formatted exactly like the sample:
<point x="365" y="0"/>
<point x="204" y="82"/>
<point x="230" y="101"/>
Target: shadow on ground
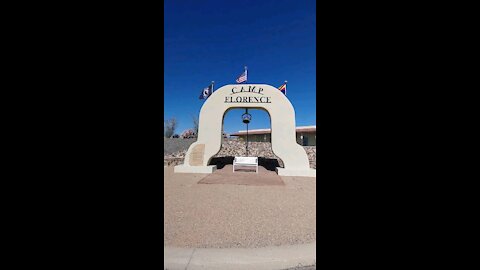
<point x="268" y="163"/>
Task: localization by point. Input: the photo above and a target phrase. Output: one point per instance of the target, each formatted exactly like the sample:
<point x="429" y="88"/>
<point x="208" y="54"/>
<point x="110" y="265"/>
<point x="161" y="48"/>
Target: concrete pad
<point x="195" y="169"/>
<point x="246" y="176"/>
<point x="271" y="258"/>
<point x="176" y="258"/>
<point x="289" y="172"/>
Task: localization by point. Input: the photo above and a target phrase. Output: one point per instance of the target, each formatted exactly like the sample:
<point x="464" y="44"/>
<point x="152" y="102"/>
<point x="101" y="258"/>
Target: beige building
<point x="306" y="135"/>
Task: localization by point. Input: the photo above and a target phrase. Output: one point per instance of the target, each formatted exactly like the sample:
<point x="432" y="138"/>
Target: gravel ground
<point x="225" y="216"/>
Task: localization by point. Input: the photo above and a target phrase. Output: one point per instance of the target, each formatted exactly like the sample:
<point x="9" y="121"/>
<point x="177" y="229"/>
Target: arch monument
<point x="256" y="96"/>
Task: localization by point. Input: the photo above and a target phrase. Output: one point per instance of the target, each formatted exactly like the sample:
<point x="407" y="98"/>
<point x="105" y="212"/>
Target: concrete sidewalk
<point x="266" y="258"/>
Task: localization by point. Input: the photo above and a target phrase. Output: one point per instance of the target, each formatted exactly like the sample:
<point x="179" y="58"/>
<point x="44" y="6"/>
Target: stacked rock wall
<point x="232" y="148"/>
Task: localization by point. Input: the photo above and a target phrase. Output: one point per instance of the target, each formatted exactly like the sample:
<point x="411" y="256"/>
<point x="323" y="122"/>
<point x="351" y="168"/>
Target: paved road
<point x="288" y="257"/>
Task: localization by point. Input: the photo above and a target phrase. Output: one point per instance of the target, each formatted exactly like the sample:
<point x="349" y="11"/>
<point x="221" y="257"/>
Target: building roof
<point x="268" y="131"/>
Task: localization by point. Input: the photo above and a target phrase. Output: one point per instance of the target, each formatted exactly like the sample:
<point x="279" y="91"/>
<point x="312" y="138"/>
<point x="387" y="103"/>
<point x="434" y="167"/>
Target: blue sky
<point x="212" y="40"/>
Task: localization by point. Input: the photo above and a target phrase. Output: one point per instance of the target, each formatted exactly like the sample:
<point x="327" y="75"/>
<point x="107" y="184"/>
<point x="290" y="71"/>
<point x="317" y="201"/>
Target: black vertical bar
<point x="247" y="139"/>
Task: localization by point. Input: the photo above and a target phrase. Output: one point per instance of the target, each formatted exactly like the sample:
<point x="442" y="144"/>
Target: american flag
<point x="283" y="88"/>
<point x="243" y="77"/>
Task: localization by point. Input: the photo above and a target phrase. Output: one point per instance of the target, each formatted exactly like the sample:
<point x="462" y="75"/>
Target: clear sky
<point x="212" y="40"/>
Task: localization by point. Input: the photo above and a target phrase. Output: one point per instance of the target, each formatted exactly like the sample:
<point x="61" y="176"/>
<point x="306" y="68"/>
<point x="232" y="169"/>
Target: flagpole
<point x="286" y="88"/>
<point x="246" y="75"/>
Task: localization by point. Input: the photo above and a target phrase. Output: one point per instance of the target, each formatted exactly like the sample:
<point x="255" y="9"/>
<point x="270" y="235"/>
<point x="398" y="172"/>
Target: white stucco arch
<point x="282" y="119"/>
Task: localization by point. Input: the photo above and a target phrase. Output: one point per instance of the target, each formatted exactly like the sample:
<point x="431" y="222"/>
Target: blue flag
<point x="206" y="92"/>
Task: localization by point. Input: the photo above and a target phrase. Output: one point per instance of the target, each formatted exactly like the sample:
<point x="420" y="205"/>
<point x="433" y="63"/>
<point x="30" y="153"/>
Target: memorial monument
<point x="255" y="96"/>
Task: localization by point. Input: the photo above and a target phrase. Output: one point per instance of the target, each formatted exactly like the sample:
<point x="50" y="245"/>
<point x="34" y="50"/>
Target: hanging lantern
<point x="246" y="117"/>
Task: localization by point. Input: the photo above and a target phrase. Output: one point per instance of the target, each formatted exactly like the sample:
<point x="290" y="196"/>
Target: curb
<point x="265" y="258"/>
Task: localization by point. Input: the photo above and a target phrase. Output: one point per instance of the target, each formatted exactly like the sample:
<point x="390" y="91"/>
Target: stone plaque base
<point x="305" y="173"/>
<point x="194" y="169"/>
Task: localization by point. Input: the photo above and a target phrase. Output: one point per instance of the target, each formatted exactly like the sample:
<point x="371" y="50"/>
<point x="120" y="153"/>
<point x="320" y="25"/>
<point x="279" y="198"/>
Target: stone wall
<point x="232" y="148"/>
<point x="172" y="145"/>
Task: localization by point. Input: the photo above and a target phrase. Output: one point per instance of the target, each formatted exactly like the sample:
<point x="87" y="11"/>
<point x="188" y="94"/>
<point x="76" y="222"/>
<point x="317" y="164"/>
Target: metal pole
<point x="246" y="111"/>
<point x="247" y="139"/>
<point x="246" y="75"/>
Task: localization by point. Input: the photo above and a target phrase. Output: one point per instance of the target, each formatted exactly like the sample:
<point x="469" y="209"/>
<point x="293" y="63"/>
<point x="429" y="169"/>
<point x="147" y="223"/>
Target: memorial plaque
<point x="196" y="157"/>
